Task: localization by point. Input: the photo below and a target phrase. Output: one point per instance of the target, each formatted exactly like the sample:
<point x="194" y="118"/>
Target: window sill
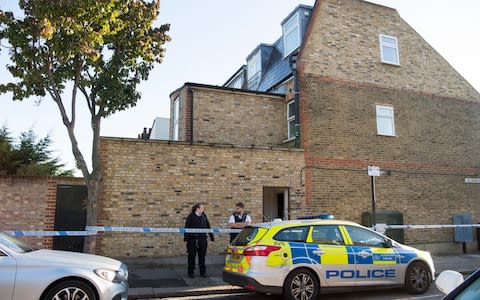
<point x="289" y="140"/>
<point x="391" y="64"/>
<point x="387" y="135"/>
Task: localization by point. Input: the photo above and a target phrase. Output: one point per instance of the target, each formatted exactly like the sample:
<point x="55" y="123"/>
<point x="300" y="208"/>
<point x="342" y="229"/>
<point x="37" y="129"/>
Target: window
<point x="291" y="34"/>
<point x="291" y="119"/>
<point x="14" y="244"/>
<point x="238" y="83"/>
<point x="254" y="65"/>
<point x="327" y="235"/>
<point x="249" y="234"/>
<point x="385" y="120"/>
<point x="389" y="49"/>
<point x="294" y="234"/>
<point x="364" y="237"/>
<point x="470" y="292"/>
<point x="176" y="117"/>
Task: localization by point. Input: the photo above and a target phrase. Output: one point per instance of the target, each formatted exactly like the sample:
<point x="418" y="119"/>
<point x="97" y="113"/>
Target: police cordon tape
<point x="51" y="233"/>
<point x="160" y="230"/>
<point x="93" y="230"/>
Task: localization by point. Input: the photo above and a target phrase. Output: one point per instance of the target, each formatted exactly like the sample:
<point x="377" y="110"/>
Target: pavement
<point x="167" y="276"/>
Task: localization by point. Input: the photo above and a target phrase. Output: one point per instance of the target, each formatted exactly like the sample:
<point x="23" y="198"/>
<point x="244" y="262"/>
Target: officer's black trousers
<point x="197" y="245"/>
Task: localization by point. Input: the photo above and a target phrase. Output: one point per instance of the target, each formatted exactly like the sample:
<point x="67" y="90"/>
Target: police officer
<point x="197" y="242"/>
<point x="238" y="219"/>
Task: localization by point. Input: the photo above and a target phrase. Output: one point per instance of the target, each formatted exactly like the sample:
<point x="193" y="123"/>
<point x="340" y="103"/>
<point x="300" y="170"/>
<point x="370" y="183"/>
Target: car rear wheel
<point x="301" y="285"/>
<point x="70" y="290"/>
<point x="417" y="278"/>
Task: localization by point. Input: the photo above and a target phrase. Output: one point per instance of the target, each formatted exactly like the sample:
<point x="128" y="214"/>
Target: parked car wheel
<point x="417" y="278"/>
<point x="71" y="290"/>
<point x="301" y="284"/>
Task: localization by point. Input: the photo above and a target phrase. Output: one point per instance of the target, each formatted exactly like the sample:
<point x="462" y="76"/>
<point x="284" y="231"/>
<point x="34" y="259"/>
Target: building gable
<point x="343" y="42"/>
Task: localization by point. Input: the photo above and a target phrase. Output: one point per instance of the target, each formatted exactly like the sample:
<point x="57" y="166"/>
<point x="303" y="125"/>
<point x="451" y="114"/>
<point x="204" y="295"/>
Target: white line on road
<point x="420" y="297"/>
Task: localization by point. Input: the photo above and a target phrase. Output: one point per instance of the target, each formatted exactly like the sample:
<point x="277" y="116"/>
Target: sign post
<point x="373" y="172"/>
<point x="472" y="180"/>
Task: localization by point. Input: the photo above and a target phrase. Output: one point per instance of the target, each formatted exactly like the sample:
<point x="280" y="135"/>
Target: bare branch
<point x="85" y="94"/>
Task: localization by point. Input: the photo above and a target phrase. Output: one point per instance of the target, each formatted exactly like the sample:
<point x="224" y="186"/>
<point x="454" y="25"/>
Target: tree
<point x="30" y="157"/>
<point x="102" y="49"/>
<point x="8" y="163"/>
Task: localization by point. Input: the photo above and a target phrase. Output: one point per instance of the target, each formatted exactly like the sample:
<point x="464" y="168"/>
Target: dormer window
<point x="291" y="34"/>
<point x="254" y="65"/>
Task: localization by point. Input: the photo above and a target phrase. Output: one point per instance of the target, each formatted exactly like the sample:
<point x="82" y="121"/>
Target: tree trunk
<point x="93" y="186"/>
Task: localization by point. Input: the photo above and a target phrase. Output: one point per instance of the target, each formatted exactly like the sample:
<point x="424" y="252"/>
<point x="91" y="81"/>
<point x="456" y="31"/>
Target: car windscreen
<point x="14" y="244"/>
<point x="249" y="234"/>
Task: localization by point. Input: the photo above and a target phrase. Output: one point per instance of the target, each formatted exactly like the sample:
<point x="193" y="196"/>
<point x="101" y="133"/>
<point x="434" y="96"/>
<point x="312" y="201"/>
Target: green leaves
<point x="30" y="157"/>
<point x="106" y="47"/>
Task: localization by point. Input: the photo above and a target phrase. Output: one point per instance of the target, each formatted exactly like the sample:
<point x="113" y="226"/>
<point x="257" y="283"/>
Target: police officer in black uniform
<point x="238" y="219"/>
<point x="197" y="242"/>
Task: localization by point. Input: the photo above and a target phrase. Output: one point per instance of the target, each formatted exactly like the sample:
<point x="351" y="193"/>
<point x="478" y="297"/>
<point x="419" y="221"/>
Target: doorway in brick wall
<point x="275" y="203"/>
<point x="70" y="215"/>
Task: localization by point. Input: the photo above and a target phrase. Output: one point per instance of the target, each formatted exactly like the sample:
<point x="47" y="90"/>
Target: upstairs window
<point x="389" y="49"/>
<point x="238" y="83"/>
<point x="176" y="118"/>
<point x="254" y="65"/>
<point x="385" y="120"/>
<point x="291" y="119"/>
<point x="291" y="34"/>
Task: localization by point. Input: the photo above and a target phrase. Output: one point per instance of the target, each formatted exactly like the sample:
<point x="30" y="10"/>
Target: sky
<point x="210" y="41"/>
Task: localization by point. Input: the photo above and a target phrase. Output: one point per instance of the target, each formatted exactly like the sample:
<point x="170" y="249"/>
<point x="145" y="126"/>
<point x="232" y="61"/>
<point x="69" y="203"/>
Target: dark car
<point x="469" y="289"/>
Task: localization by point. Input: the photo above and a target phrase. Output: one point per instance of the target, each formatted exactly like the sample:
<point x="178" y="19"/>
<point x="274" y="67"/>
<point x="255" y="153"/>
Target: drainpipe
<point x="188" y="115"/>
<point x="296" y="98"/>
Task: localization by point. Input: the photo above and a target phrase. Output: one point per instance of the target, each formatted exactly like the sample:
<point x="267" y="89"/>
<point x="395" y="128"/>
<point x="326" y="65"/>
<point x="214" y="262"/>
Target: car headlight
<point x="112" y="275"/>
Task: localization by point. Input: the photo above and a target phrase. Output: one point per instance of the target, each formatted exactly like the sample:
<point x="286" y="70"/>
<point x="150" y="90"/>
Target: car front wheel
<point x="301" y="285"/>
<point x="417" y="278"/>
<point x="70" y="290"/>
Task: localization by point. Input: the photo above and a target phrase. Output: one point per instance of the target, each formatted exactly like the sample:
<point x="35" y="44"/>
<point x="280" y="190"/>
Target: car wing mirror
<point x="388" y="243"/>
<point x="448" y="280"/>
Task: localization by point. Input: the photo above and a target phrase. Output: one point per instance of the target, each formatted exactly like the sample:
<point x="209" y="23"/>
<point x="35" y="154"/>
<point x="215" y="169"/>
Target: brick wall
<point x="433" y="151"/>
<point x="154" y="183"/>
<point x="342" y="79"/>
<point x="232" y="117"/>
<point x="28" y="204"/>
<point x="343" y="42"/>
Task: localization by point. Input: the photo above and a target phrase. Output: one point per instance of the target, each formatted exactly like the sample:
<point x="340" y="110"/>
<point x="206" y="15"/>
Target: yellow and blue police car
<point x="303" y="258"/>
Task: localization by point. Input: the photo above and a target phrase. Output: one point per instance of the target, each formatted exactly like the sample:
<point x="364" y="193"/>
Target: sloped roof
<point x="276" y="69"/>
<point x="275" y="66"/>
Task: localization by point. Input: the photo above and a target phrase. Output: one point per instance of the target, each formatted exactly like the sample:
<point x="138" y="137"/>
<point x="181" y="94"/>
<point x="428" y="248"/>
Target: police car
<point x="303" y="258"/>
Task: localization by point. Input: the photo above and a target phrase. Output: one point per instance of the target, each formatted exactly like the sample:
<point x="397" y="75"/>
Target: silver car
<point x="29" y="274"/>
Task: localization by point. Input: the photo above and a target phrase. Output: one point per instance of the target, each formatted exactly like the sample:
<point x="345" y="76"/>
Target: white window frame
<point x="285" y="33"/>
<point x="289" y="120"/>
<point x="391" y="117"/>
<point x="254" y="64"/>
<point x="389" y="45"/>
<point x="176" y="118"/>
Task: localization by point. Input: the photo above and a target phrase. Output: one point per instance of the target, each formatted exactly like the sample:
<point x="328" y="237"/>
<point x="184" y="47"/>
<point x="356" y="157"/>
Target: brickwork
<point x="155" y="184"/>
<point x="431" y="154"/>
<point x="232" y="117"/>
<point x="341" y="121"/>
<point x="28" y="204"/>
<point x="342" y="79"/>
<point x="343" y="42"/>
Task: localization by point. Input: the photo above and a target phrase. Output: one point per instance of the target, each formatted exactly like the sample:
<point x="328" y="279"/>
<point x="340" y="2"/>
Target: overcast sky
<point x="210" y="41"/>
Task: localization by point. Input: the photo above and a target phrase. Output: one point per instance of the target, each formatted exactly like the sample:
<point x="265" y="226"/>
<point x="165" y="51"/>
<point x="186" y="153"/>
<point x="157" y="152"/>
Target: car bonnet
<point x="72" y="258"/>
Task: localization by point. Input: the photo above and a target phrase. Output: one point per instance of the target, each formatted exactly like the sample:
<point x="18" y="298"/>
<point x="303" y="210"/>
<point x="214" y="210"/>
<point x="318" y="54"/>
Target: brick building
<point x="292" y="132"/>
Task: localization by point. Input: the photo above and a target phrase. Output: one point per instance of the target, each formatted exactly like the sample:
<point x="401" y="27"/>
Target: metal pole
<point x="374" y="217"/>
